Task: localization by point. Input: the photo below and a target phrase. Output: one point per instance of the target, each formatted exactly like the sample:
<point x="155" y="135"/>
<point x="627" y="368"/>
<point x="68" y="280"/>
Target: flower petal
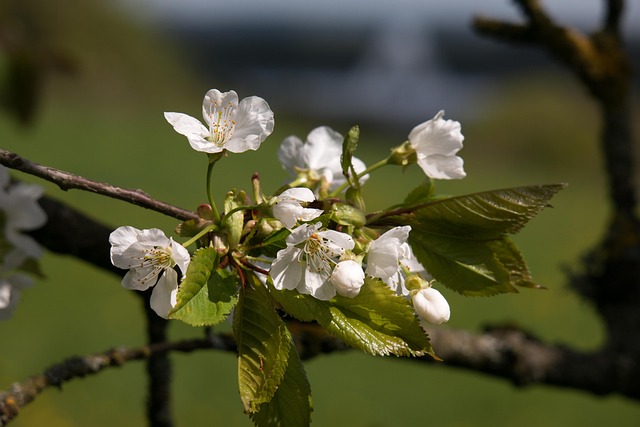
<point x="286" y="270"/>
<point x="164" y="295"/>
<point x="254" y="123"/>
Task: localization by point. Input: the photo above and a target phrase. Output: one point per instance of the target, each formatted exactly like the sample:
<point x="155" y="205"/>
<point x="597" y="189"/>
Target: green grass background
<point x="106" y="124"/>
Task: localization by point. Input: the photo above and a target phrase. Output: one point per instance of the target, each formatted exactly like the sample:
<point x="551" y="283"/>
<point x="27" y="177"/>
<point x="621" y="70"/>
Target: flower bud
<point x="220" y="244"/>
<point x="347" y="215"/>
<point x="431" y="306"/>
<point x="348" y="278"/>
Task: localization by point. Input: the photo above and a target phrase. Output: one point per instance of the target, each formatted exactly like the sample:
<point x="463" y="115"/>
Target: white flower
<point x="10" y="288"/>
<point x="318" y="157"/>
<point x="390" y="256"/>
<point x="20" y="211"/>
<point x="306" y="264"/>
<point x="436" y="142"/>
<point x="348" y="278"/>
<point x="232" y="126"/>
<point x="431" y="306"/>
<point x="288" y="209"/>
<point x="150" y="257"/>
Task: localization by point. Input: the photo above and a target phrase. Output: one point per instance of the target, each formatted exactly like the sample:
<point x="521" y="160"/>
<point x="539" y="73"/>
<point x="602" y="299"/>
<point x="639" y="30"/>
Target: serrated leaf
<point x="291" y="405"/>
<point x="469" y="267"/>
<point x="194" y="305"/>
<point x="486" y="215"/>
<point x="263" y="346"/>
<point x="462" y="240"/>
<point x="376" y="321"/>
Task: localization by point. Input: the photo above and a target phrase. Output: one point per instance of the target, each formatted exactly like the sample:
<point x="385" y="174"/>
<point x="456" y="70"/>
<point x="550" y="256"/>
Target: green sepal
<point x="376" y="321"/>
<point x="194" y="305"/>
<point x="291" y="404"/>
<point x="263" y="343"/>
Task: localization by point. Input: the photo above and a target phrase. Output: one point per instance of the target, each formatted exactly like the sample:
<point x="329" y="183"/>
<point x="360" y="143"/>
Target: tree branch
<point x="20" y="394"/>
<point x="66" y="181"/>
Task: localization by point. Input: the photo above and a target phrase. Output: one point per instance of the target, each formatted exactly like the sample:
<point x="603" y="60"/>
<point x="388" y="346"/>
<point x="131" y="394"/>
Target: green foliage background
<point x="106" y="124"/>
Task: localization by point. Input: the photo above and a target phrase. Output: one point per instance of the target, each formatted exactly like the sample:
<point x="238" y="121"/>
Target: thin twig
<point x="67" y="181"/>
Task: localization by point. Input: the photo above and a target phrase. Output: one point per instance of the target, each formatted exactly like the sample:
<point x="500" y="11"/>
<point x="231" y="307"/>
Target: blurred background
<point x="85" y="83"/>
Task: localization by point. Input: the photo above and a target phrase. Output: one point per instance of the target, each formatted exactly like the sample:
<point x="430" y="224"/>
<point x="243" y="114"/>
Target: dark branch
<point x="67" y="181"/>
<point x="20" y="394"/>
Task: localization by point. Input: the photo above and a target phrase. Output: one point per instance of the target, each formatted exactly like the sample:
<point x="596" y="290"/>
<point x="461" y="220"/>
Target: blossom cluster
<point x="19" y="212"/>
<point x="320" y="256"/>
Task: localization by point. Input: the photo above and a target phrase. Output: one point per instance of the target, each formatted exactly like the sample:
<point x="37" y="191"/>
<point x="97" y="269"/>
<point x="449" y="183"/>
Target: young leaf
<point x="290" y="406"/>
<point x="486" y="215"/>
<point x="467" y="266"/>
<point x="462" y="240"/>
<point x="263" y="346"/>
<point x="348" y="147"/>
<point x="194" y="305"/>
<point x="376" y="321"/>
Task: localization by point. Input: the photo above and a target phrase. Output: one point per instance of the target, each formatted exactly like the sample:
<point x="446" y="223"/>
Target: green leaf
<point x="263" y="346"/>
<point x="376" y="321"/>
<point x="290" y="406"/>
<point x="421" y="194"/>
<point x="462" y="241"/>
<point x="466" y="266"/>
<point x="486" y="215"/>
<point x="195" y="306"/>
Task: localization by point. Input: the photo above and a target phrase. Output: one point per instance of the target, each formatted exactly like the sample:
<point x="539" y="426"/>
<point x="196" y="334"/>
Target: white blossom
<point x="150" y="257"/>
<point x="288" y="208"/>
<point x="436" y="142"/>
<point x="431" y="306"/>
<point x="10" y="288"/>
<point x="19" y="211"/>
<point x="232" y="126"/>
<point x="307" y="263"/>
<point x="318" y="157"/>
<point x="390" y="257"/>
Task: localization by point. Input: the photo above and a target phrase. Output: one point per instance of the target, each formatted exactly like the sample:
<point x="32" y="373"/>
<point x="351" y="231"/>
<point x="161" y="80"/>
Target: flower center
<point x="221" y="122"/>
<point x="318" y="255"/>
<point x="158" y="259"/>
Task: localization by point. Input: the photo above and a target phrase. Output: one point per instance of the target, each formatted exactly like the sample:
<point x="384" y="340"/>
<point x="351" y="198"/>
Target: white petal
<point x="385" y="253"/>
<point x="215" y="101"/>
<point x="254" y="123"/>
<point x="431" y="306"/>
<point x="317" y="285"/>
<point x="286" y="270"/>
<point x="186" y="125"/>
<point x="342" y="240"/>
<point x="302" y="233"/>
<point x="348" y="278"/>
<point x="180" y="256"/>
<point x="323" y="147"/>
<point x="121" y="238"/>
<point x="287" y="212"/>
<point x="436" y="142"/>
<point x="301" y="194"/>
<point x="4" y="177"/>
<point x="291" y="154"/>
<point x="163" y="297"/>
<point x="309" y="214"/>
<point x="139" y="279"/>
